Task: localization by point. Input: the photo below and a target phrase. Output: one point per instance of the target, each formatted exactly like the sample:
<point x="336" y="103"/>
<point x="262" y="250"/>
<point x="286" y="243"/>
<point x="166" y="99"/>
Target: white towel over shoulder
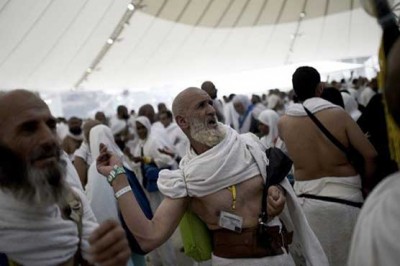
<point x="315" y="105"/>
<point x="230" y="162"/>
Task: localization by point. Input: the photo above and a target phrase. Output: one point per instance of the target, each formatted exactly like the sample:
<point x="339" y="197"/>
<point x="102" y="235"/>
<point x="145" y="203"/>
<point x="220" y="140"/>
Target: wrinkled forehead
<point x="21" y="104"/>
<point x="195" y="96"/>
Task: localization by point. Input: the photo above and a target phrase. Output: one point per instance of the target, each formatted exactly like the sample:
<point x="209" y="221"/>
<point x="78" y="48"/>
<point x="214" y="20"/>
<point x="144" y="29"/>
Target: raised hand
<point x="106" y="161"/>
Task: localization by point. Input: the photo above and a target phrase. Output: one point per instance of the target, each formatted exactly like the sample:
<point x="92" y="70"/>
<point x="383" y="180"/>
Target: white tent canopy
<point x="61" y="45"/>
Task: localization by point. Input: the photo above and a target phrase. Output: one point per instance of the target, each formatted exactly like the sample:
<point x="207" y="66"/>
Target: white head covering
<point x="351" y="106"/>
<point x="145" y="122"/>
<point x="269" y="118"/>
<point x="99" y="192"/>
<point x="102" y="134"/>
<point x="243" y="99"/>
<point x="273" y="100"/>
<point x="246" y="118"/>
<point x="152" y="144"/>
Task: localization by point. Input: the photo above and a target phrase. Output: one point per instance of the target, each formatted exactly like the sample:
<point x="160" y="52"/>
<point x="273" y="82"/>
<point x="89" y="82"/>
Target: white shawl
<point x="315" y="105"/>
<point x="228" y="163"/>
<point x="38" y="236"/>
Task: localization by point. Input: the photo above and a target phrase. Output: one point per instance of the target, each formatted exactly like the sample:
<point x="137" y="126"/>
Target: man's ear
<point x="320" y="89"/>
<point x="181" y="121"/>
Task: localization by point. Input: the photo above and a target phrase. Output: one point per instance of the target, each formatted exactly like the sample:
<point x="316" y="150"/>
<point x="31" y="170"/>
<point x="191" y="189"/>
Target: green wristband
<point x="116" y="171"/>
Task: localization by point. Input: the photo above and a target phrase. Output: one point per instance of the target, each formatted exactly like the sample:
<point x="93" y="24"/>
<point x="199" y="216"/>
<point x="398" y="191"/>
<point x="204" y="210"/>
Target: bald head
<point x="392" y="86"/>
<point x="181" y="102"/>
<point x="13" y="102"/>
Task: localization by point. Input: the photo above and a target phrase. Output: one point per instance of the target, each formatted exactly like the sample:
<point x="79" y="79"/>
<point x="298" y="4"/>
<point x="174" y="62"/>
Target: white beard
<point x="39" y="190"/>
<point x="207" y="136"/>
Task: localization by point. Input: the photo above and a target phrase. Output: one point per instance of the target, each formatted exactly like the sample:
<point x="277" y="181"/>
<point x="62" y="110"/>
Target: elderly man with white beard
<point x="221" y="179"/>
<point x="45" y="218"/>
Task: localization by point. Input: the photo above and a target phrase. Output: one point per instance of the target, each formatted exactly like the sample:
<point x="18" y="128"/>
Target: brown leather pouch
<point x="229" y="244"/>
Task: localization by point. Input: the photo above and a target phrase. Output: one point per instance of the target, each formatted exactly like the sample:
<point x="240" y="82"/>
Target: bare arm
<point x="280" y="127"/>
<point x="360" y="142"/>
<point x="149" y="233"/>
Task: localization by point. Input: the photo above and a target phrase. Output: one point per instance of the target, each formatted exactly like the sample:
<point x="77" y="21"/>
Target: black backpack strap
<point x="264" y="215"/>
<point x="332" y="199"/>
<point x="326" y="132"/>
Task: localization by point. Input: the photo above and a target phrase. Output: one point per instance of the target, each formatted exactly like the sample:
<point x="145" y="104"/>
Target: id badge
<point x="230" y="221"/>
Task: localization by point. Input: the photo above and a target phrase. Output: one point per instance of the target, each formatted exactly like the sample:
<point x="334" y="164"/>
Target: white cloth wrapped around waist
<point x="347" y="188"/>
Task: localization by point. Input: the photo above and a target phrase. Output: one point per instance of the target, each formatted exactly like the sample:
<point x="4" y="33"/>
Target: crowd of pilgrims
<point x="145" y="134"/>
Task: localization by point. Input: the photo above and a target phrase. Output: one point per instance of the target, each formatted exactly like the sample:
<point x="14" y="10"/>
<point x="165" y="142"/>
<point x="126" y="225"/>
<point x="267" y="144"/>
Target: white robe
<point x="117" y="125"/>
<point x="178" y="138"/>
<point x="376" y="235"/>
<point x="38" y="236"/>
<point x="159" y="132"/>
<point x="153" y="142"/>
<point x="231" y="116"/>
<point x="99" y="192"/>
<point x="84" y="153"/>
<point x="332" y="223"/>
<point x="365" y="96"/>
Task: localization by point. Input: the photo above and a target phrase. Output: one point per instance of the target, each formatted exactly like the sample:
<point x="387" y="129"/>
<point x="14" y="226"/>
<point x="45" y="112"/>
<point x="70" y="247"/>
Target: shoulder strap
<point x="326" y="132"/>
<point x="264" y="215"/>
<point x="73" y="211"/>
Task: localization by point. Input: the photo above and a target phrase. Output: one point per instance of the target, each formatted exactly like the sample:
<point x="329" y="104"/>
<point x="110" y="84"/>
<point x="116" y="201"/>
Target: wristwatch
<point x="117" y="170"/>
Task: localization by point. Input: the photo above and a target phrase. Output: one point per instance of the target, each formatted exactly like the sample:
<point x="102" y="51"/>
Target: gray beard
<point x="207" y="136"/>
<point x="43" y="187"/>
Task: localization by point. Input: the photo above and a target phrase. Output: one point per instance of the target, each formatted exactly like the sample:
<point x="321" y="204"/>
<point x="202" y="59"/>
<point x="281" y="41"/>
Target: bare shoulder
<point x="336" y="116"/>
<point x="342" y="117"/>
<point x="282" y="119"/>
<point x="281" y="125"/>
<point x="338" y="111"/>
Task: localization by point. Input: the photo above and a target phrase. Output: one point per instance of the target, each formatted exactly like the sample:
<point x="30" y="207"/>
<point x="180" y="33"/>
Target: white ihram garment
<point x="39" y="236"/>
<point x="332" y="222"/>
<point x="376" y="235"/>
